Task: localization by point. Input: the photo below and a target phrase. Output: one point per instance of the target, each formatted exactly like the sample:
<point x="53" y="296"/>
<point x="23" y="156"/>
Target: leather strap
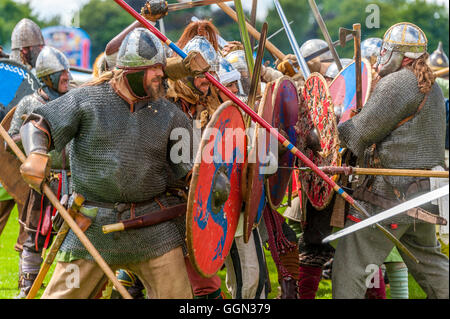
<point x="413" y="115"/>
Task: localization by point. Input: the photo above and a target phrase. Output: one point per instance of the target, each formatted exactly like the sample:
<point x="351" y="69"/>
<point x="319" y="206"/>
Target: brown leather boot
<point x="289" y="288"/>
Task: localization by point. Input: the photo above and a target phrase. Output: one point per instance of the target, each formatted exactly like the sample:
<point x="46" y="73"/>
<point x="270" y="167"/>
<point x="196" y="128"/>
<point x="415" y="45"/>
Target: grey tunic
<point x="417" y="144"/>
<point x="119" y="157"/>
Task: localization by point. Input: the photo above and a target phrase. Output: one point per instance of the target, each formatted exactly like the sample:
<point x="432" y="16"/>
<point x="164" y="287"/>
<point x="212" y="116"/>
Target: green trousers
<point x="357" y="255"/>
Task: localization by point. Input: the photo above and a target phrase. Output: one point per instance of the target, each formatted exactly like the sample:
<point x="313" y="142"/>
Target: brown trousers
<point x="164" y="277"/>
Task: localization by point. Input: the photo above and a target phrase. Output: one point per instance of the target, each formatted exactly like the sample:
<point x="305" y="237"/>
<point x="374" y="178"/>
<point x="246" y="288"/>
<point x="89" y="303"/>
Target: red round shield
<point x="284" y="117"/>
<point x="316" y="111"/>
<point x="215" y="198"/>
<point x="254" y="197"/>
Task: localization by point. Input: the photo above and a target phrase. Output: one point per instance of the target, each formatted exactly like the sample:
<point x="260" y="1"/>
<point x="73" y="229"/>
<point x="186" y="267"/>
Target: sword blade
<point x="273" y="34"/>
<point x="192" y="4"/>
<point x="326" y="49"/>
<point x="292" y="40"/>
<point x="325" y="33"/>
<point x="396" y="210"/>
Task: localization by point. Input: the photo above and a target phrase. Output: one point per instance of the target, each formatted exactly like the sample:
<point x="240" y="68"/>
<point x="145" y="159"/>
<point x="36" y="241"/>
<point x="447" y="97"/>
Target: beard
<point x="156" y="93"/>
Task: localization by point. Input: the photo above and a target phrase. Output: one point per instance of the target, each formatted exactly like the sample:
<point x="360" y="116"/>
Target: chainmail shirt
<point x="116" y="155"/>
<point x="25" y="107"/>
<point x="417" y="144"/>
<point x="119" y="157"/>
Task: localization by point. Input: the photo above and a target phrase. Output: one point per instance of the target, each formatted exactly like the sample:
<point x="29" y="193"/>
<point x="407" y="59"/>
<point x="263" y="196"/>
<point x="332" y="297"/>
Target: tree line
<point x="103" y="19"/>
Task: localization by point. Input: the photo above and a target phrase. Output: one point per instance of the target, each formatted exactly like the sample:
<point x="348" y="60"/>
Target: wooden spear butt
<point x="113" y="228"/>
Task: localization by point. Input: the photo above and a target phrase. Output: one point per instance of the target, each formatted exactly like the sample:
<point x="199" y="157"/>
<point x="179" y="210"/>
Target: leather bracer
<point x="35" y="134"/>
<point x="36" y="139"/>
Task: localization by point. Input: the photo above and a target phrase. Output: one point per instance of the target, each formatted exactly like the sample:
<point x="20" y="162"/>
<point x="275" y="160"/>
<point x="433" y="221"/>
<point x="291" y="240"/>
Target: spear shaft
<point x="348" y="170"/>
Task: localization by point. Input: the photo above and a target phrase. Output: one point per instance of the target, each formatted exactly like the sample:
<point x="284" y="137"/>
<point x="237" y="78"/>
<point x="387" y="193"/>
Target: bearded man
<point x="121" y="126"/>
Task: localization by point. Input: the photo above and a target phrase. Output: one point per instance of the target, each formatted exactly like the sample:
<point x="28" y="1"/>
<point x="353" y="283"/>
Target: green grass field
<point x="9" y="260"/>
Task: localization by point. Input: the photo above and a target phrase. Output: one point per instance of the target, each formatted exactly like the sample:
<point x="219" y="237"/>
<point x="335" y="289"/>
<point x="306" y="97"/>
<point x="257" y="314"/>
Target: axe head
<point x="343" y="33"/>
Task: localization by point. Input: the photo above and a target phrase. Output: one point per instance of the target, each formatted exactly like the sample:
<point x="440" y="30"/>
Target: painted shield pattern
<point x="343" y="88"/>
<point x="16" y="82"/>
<point x="215" y="196"/>
<point x="254" y="196"/>
<point x="316" y="112"/>
<point x="10" y="176"/>
<point x="284" y="118"/>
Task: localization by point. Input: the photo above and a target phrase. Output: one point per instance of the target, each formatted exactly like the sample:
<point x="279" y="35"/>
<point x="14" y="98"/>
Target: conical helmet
<point x="314" y="45"/>
<point x="26" y="33"/>
<point x="237" y="60"/>
<point x="202" y="45"/>
<point x="438" y="59"/>
<point x="401" y="40"/>
<point x="227" y="73"/>
<point x="370" y="49"/>
<point x="50" y="61"/>
<point x="333" y="69"/>
<point x="140" y="49"/>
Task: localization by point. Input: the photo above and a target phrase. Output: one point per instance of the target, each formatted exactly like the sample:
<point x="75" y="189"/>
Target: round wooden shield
<point x="211" y="222"/>
<point x="284" y="117"/>
<point x="316" y="112"/>
<point x="16" y="82"/>
<point x="254" y="197"/>
<point x="343" y="88"/>
<point x="10" y="177"/>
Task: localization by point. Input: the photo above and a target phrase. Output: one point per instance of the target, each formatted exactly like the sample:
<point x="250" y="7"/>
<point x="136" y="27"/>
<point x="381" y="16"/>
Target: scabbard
<point x="150" y="219"/>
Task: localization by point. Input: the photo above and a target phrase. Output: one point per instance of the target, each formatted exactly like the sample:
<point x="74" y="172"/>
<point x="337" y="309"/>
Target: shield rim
<point x="193" y="187"/>
<point x="369" y="78"/>
<point x="276" y="85"/>
<point x="336" y="177"/>
<point x="7" y="121"/>
<point x="252" y="170"/>
<point x="22" y="66"/>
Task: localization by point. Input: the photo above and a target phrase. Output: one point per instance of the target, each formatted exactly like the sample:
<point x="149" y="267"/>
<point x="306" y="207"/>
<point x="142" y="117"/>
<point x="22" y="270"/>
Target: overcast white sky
<point x="48" y="8"/>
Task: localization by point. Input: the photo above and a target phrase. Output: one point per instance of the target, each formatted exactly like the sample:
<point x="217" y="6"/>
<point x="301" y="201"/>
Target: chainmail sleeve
<point x="63" y="116"/>
<point x="395" y="97"/>
<point x="180" y="150"/>
<point x="24" y="107"/>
